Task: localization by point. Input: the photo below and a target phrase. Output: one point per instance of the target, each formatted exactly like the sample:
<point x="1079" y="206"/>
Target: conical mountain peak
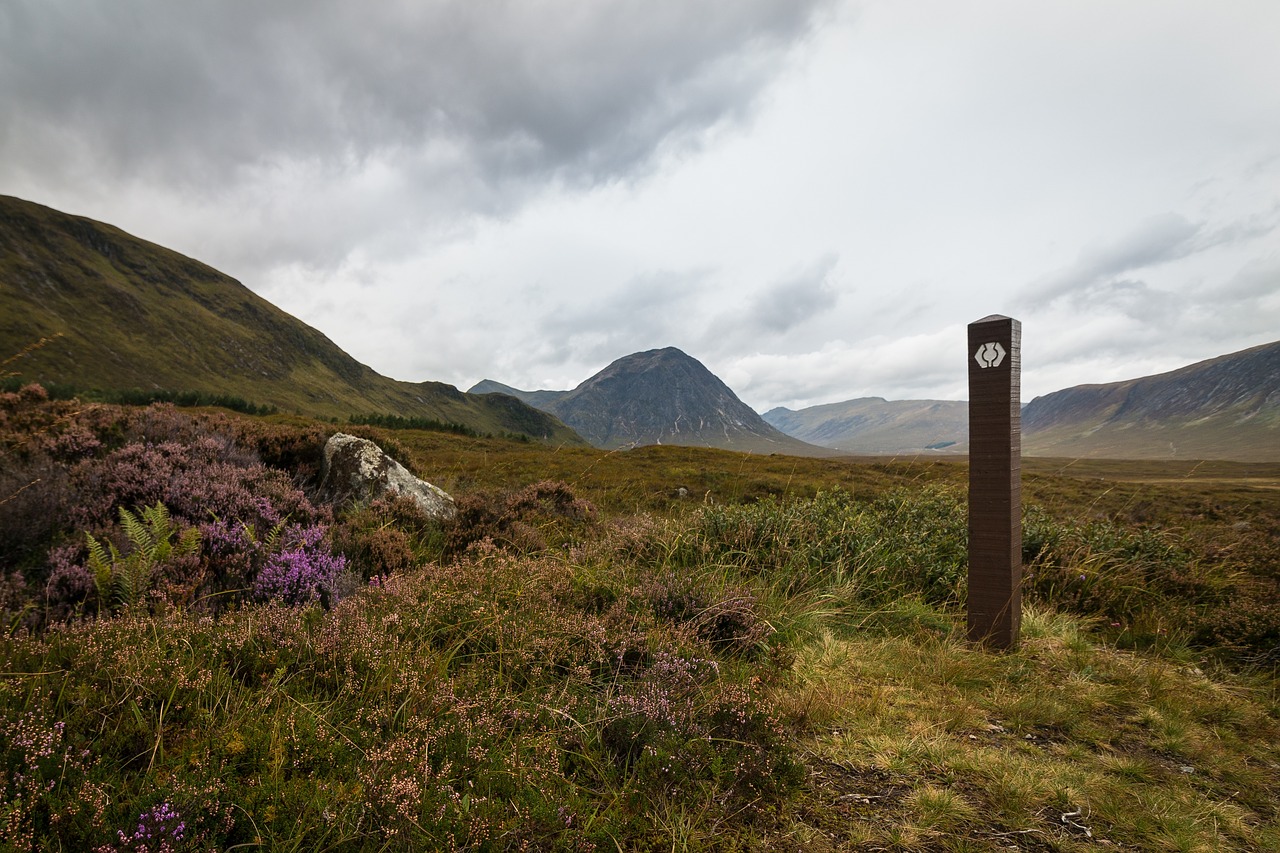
<point x="661" y="396"/>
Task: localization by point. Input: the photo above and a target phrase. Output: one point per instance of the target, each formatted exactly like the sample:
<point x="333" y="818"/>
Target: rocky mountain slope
<point x="1224" y="408"/>
<point x="875" y="426"/>
<point x="129" y="314"/>
<point x="662" y="396"/>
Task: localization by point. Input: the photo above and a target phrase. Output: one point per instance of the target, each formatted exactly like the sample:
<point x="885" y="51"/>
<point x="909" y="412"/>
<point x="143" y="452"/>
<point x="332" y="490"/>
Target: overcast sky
<point x="812" y="197"/>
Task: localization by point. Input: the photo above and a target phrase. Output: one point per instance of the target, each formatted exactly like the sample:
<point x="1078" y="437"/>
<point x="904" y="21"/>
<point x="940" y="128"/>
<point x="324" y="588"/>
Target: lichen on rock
<point x="356" y="469"/>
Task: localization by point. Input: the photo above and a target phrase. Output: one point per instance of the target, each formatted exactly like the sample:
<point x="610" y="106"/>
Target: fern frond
<point x="157" y="514"/>
<point x="133" y="579"/>
<point x="188" y="542"/>
<point x="97" y="554"/>
<point x="273" y="537"/>
<point x="136" y="530"/>
<point x="125" y="581"/>
<point x="157" y="520"/>
<point x="102" y="567"/>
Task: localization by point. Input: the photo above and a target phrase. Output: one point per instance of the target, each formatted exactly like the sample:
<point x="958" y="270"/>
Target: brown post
<point x="995" y="481"/>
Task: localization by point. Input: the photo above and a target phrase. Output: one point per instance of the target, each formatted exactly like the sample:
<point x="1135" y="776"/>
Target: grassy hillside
<point x="669" y="648"/>
<point x="121" y="313"/>
<point x="1189" y="438"/>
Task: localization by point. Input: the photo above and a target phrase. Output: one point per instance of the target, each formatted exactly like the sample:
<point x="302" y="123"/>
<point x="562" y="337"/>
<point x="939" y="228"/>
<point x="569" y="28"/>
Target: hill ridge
<point x="1225" y="407"/>
<point x="136" y="315"/>
<point x="876" y="426"/>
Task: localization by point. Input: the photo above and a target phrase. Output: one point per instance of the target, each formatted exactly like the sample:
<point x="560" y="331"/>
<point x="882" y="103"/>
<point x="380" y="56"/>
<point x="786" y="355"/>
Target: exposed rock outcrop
<point x="356" y="469"/>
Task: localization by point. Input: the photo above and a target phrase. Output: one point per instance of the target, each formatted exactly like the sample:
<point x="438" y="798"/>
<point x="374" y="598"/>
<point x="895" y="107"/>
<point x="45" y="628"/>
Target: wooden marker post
<point x="995" y="481"/>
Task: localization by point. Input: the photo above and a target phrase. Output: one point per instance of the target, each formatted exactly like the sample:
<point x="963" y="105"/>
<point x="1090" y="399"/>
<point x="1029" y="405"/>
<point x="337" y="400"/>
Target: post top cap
<point x="991" y="318"/>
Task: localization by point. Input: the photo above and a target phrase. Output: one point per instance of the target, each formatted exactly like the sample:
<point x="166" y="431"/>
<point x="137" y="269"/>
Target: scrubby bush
<point x="39" y="439"/>
<point x="45" y="789"/>
<point x="388" y="536"/>
<point x="729" y="617"/>
<point x="208" y="477"/>
<point x="1149" y="586"/>
<point x="526" y="520"/>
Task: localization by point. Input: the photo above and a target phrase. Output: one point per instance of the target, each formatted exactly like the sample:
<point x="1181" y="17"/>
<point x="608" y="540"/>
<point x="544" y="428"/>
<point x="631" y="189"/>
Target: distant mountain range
<point x="125" y="315"/>
<point x="662" y="396"/>
<point x="131" y="315"/>
<point x="875" y="426"/>
<point x="1224" y="408"/>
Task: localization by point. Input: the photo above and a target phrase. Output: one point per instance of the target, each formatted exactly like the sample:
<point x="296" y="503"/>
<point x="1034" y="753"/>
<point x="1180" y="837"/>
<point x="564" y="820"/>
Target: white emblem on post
<point x="989" y="355"/>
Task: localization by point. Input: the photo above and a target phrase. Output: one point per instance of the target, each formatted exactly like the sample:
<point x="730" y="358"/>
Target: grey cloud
<point x="791" y="302"/>
<point x="772" y="312"/>
<point x="1257" y="279"/>
<point x="1161" y="238"/>
<point x="1156" y="240"/>
<point x="648" y="311"/>
<point x="895" y="368"/>
<point x="1253" y="227"/>
<point x="198" y="92"/>
<point x="1116" y="313"/>
<point x="1245" y="305"/>
<point x="670" y="308"/>
<point x="1133" y="298"/>
<point x="1125" y="321"/>
<point x="292" y="131"/>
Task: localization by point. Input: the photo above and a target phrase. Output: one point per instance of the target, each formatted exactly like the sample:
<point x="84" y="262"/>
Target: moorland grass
<point x="591" y="659"/>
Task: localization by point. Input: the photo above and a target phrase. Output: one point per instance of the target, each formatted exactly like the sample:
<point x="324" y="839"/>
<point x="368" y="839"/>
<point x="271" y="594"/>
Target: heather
<point x="660" y="649"/>
<point x="484" y="704"/>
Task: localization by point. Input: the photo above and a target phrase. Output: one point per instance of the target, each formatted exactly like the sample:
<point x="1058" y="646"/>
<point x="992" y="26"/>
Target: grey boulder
<point x="356" y="469"/>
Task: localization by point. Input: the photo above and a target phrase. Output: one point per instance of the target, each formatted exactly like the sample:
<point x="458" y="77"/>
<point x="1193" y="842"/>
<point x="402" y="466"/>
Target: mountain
<point x="1224" y="408"/>
<point x="538" y="399"/>
<point x="133" y="315"/>
<point x="875" y="426"/>
<point x="662" y="396"/>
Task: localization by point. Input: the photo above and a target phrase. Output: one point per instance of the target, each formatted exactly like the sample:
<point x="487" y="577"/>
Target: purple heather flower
<point x="161" y="823"/>
<point x="303" y="571"/>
